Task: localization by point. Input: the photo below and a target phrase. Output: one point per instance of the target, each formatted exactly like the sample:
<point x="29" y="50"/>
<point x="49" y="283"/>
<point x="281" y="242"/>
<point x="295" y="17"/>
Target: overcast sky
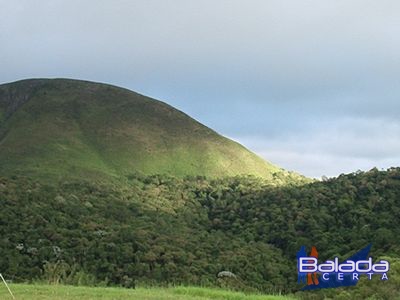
<point x="313" y="86"/>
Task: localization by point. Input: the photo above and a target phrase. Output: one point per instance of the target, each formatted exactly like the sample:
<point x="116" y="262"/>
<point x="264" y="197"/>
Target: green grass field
<point x="55" y="292"/>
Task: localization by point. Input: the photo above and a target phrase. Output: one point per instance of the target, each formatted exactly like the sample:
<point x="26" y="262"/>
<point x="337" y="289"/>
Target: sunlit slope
<point x="68" y="127"/>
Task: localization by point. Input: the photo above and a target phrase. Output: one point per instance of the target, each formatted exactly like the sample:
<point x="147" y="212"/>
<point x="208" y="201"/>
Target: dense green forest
<point x="164" y="230"/>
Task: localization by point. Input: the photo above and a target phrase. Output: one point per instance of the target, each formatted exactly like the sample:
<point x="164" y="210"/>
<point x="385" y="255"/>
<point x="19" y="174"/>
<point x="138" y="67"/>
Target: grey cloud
<point x="277" y="69"/>
<point x="331" y="148"/>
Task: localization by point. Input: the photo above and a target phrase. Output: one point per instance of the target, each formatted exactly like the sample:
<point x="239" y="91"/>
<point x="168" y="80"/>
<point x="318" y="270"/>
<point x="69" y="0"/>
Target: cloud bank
<point x="312" y="86"/>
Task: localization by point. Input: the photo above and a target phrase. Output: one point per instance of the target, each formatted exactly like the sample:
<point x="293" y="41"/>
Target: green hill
<point x="169" y="229"/>
<point x="77" y="128"/>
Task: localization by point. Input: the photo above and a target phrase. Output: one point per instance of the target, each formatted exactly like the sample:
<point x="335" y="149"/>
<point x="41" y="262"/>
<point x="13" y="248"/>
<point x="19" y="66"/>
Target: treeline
<point x="164" y="230"/>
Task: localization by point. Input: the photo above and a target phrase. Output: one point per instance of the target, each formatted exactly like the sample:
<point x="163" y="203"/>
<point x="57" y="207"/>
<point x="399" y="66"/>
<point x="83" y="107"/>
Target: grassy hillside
<point x="136" y="228"/>
<point x="59" y="292"/>
<point x="76" y="128"/>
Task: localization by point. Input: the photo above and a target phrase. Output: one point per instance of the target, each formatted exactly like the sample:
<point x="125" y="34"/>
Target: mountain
<point x="63" y="127"/>
<point x="159" y="226"/>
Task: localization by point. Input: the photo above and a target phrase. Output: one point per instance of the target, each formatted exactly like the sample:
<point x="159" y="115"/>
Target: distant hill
<point x="144" y="194"/>
<point x="63" y="127"/>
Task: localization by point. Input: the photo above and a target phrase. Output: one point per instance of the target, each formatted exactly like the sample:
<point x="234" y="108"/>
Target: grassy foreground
<point x="55" y="292"/>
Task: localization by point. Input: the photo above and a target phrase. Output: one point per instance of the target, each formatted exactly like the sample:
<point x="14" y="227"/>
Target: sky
<point x="312" y="86"/>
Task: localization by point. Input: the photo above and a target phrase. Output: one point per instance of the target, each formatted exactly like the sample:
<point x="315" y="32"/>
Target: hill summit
<point x="67" y="127"/>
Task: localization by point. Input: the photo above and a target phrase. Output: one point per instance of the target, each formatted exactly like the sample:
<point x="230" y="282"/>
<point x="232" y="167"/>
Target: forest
<point x="161" y="230"/>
